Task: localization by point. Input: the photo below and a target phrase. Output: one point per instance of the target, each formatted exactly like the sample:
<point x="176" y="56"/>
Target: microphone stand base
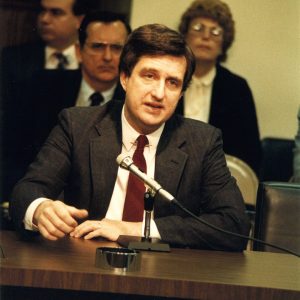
<point x="141" y="243"/>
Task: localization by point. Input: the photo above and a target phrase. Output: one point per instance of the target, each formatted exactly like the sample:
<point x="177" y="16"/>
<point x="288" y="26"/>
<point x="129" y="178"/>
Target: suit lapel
<point x="103" y="150"/>
<point x="170" y="163"/>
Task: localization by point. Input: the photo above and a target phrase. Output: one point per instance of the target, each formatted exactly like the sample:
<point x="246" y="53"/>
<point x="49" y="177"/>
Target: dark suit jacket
<point x="79" y="157"/>
<point x="30" y="113"/>
<point x="53" y="91"/>
<point x="233" y="111"/>
<point x="18" y="63"/>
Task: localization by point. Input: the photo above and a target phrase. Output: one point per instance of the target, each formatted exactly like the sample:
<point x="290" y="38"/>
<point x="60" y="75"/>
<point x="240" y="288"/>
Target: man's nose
<point x="107" y="53"/>
<point x="44" y="16"/>
<point x="158" y="90"/>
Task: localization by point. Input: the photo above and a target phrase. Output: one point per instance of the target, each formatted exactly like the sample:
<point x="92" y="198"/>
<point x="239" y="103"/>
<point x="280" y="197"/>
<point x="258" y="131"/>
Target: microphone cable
<point x="232" y="233"/>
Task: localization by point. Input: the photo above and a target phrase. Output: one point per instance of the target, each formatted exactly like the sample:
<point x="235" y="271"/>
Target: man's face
<point x="153" y="90"/>
<point x="101" y="52"/>
<point x="57" y="25"/>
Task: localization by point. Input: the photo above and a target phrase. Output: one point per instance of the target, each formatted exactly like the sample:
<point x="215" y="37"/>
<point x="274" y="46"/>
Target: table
<point x="67" y="266"/>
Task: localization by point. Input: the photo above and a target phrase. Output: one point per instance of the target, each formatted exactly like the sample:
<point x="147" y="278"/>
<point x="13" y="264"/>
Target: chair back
<point x="246" y="178"/>
<point x="277" y="216"/>
<point x="277" y="159"/>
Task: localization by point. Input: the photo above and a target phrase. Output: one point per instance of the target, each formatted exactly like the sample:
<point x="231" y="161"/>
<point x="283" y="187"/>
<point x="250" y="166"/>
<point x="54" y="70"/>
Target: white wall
<point x="266" y="52"/>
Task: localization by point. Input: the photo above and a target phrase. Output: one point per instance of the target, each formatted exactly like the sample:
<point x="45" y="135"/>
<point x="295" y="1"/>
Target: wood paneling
<point x="17" y="21"/>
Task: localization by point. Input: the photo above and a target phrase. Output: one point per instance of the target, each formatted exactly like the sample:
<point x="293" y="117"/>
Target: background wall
<point x="266" y="52"/>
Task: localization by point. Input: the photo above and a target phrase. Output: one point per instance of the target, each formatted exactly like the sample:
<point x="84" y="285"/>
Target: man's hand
<point x="55" y="219"/>
<point x="106" y="228"/>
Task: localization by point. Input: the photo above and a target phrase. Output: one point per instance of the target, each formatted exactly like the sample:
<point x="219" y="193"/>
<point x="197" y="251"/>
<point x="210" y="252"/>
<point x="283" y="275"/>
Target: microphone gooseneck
<point x="126" y="162"/>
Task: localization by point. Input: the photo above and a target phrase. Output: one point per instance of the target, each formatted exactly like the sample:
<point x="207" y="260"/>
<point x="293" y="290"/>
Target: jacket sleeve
<point x="207" y="190"/>
<point x="47" y="175"/>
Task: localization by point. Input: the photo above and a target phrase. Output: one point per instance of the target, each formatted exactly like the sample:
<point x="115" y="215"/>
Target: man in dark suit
<point x="21" y="65"/>
<point x="101" y="38"/>
<point x="216" y="95"/>
<point x="185" y="156"/>
<point x="57" y="25"/>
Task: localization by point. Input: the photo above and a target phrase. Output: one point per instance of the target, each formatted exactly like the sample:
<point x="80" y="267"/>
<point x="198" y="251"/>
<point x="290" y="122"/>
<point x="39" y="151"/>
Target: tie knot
<point x="96" y="98"/>
<point x="142" y="141"/>
<point x="62" y="60"/>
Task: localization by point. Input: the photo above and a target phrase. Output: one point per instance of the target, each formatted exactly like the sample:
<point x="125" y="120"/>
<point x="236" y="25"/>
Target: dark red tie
<point x="134" y="200"/>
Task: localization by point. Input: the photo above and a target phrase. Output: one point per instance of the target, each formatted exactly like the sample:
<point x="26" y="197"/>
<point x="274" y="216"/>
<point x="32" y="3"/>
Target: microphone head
<point x="124" y="161"/>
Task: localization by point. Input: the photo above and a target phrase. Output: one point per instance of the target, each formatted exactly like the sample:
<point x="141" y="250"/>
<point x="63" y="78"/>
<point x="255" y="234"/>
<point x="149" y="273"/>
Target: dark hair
<point x="153" y="40"/>
<point x="99" y="16"/>
<point x="80" y="7"/>
<point x="215" y="10"/>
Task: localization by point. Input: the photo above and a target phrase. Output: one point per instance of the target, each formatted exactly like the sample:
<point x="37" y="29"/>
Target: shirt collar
<point x="108" y="94"/>
<point x="207" y="79"/>
<point x="69" y="52"/>
<point x="129" y="134"/>
<point x="87" y="90"/>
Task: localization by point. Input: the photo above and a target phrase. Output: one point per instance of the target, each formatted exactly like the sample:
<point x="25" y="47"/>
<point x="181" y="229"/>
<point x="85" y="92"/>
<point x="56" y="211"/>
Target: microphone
<point x="125" y="162"/>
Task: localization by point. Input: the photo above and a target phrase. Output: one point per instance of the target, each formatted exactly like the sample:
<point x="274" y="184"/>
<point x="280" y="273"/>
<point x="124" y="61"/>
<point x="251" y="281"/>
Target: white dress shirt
<point x="115" y="209"/>
<point x="86" y="91"/>
<point x="51" y="61"/>
<point x="197" y="98"/>
<point x="129" y="136"/>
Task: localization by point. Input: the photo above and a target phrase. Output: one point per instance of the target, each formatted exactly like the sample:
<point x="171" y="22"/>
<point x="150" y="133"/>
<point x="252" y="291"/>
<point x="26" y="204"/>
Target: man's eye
<point x="57" y="12"/>
<point x="116" y="47"/>
<point x="149" y="75"/>
<point x="98" y="46"/>
<point x="174" y="82"/>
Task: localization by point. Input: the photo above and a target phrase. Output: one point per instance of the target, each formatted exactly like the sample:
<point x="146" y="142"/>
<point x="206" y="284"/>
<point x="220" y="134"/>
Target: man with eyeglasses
<point x="102" y="36"/>
<point x="216" y="95"/>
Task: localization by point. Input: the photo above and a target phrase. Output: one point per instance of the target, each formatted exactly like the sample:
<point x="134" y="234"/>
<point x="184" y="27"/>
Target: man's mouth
<point x="106" y="68"/>
<point x="154" y="105"/>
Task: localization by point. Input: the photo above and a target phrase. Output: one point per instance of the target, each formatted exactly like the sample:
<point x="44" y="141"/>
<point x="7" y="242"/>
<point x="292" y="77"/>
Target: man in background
<point x="102" y="36"/>
<point x="57" y="25"/>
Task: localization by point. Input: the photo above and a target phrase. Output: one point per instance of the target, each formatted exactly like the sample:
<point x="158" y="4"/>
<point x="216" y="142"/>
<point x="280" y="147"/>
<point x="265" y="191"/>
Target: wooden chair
<point x="246" y="179"/>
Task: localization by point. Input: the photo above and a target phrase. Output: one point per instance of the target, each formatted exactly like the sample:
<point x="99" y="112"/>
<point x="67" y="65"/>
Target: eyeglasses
<point x="100" y="48"/>
<point x="215" y="32"/>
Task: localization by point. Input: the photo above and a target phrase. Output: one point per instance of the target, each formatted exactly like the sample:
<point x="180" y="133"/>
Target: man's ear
<point x="78" y="52"/>
<point x="123" y="80"/>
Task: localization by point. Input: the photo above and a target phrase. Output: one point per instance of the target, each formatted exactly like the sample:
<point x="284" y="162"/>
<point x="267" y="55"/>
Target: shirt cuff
<point x="28" y="219"/>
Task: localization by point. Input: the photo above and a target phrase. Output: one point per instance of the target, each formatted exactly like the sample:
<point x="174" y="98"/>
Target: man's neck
<point x="99" y="86"/>
<point x="59" y="46"/>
